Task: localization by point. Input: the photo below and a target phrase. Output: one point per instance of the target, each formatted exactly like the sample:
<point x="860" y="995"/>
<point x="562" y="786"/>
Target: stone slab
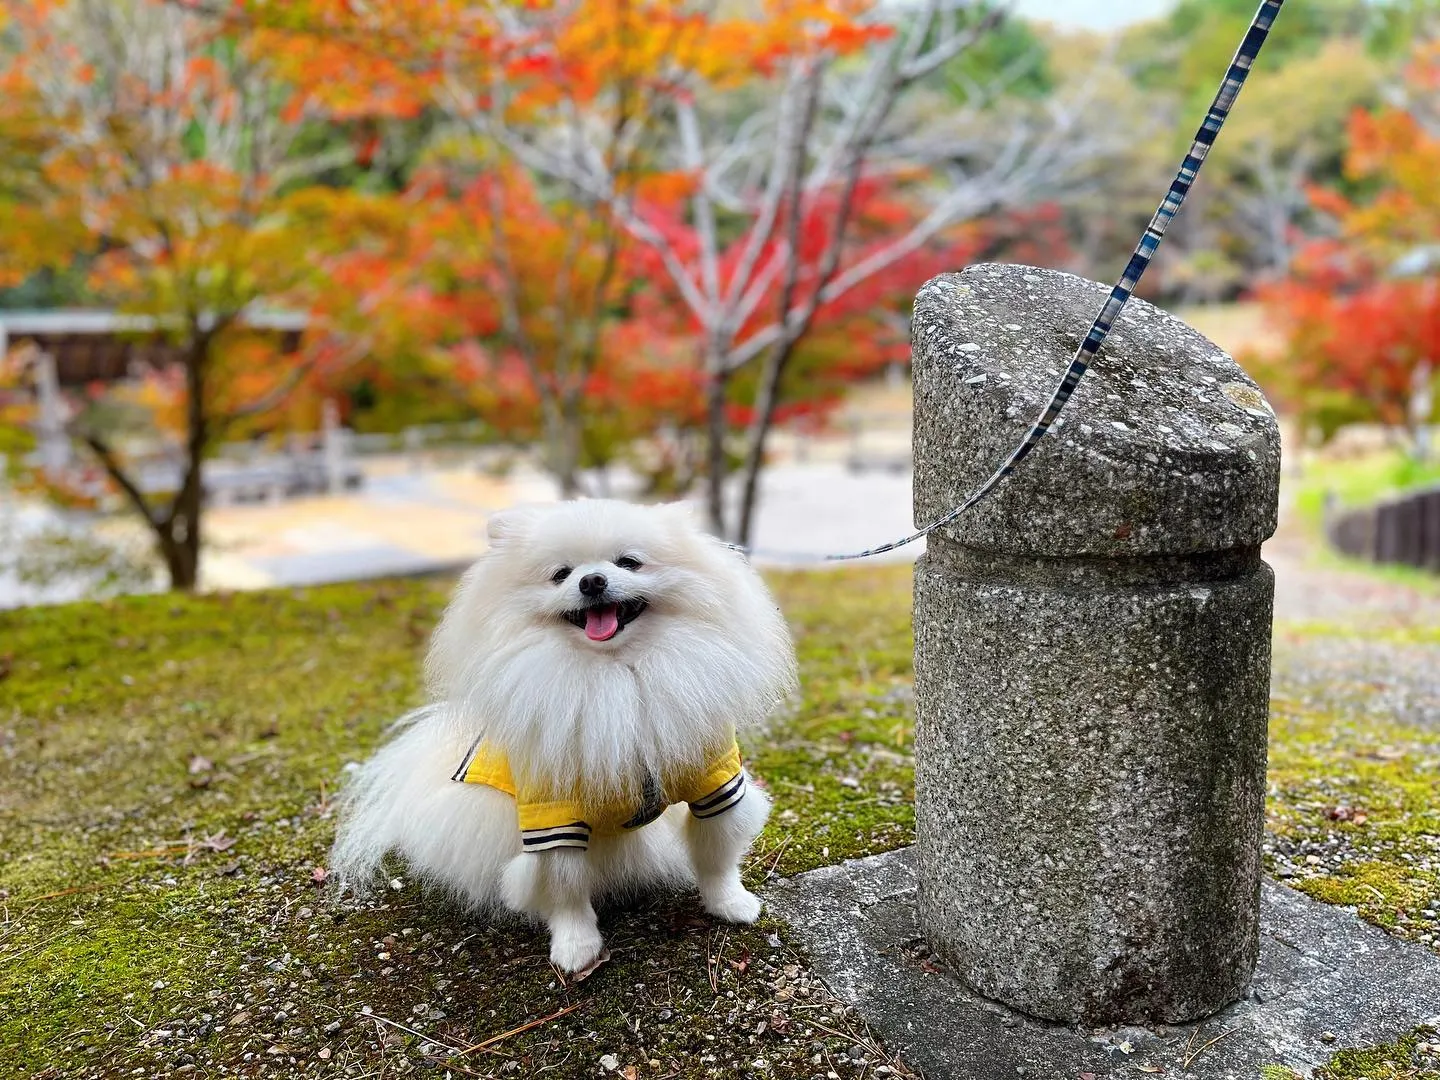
<point x="1325" y="981"/>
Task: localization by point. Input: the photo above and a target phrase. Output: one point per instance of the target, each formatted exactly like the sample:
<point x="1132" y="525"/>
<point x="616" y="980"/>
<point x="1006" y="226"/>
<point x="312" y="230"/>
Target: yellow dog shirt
<point x="548" y="823"/>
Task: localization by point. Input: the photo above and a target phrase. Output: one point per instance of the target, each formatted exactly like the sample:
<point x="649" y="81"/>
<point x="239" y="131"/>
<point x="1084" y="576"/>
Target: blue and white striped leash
<point x="1119" y="296"/>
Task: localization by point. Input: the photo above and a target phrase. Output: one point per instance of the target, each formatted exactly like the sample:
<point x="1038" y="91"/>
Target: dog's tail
<point x="372" y="800"/>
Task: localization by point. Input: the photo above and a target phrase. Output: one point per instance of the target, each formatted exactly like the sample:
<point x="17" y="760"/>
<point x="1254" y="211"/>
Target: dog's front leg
<point x="717" y="844"/>
<point x="555" y="886"/>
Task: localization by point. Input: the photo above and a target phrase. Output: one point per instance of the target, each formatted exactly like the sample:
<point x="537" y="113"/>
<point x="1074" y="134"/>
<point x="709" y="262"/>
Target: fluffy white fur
<point x="710" y="654"/>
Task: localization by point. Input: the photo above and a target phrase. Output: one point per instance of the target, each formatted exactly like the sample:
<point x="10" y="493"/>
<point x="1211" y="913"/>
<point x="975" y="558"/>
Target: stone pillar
<point x="332" y="447"/>
<point x="1092" y="654"/>
<point x="52" y="414"/>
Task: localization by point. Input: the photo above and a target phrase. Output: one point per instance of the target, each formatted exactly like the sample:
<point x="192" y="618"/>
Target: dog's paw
<point x="574" y="950"/>
<point x="734" y="905"/>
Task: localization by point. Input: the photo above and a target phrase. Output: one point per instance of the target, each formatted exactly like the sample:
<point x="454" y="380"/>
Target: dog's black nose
<point x="592" y="584"/>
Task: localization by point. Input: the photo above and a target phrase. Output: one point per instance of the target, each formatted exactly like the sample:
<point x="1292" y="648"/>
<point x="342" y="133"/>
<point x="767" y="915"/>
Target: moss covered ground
<point x="166" y="773"/>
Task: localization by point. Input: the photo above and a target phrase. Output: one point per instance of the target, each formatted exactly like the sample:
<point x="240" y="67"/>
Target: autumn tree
<point x="1361" y="311"/>
<point x="469" y="276"/>
<point x="154" y="154"/>
<point x="760" y="137"/>
<point x="550" y="328"/>
<point x="732" y="144"/>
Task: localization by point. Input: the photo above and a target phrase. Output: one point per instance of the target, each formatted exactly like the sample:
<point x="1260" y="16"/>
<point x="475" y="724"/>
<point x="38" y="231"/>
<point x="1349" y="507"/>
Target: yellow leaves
<point x="630" y="48"/>
<point x="36" y="236"/>
<point x="665" y="189"/>
<point x="152" y="172"/>
<point x="1393" y="151"/>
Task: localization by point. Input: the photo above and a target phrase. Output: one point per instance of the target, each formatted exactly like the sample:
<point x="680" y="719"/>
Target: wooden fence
<point x="1405" y="530"/>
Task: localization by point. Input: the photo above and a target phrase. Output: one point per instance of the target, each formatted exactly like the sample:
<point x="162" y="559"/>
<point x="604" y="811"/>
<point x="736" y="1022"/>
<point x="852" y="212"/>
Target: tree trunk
<point x="179" y="532"/>
<point x="182" y="558"/>
<point x="1421" y="408"/>
<point x="716" y="465"/>
<point x="565" y="436"/>
<point x="767" y="399"/>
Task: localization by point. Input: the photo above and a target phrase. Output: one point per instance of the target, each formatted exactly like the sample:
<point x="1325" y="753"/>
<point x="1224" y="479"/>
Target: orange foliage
<point x="1360" y="333"/>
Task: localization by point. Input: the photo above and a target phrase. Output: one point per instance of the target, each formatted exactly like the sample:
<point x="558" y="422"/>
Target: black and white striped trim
<point x="574" y="835"/>
<point x="459" y="774"/>
<point x="721" y="799"/>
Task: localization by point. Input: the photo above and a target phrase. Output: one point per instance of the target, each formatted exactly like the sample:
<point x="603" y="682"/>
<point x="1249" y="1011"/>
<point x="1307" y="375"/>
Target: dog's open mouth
<point x="603" y="621"/>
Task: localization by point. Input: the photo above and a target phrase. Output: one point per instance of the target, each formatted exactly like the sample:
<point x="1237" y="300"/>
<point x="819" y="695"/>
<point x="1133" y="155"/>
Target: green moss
<point x="171" y="761"/>
<point x="1364" y="792"/>
<point x="166" y="765"/>
<point x="125" y="953"/>
<point x="1401" y="1060"/>
<point x="840" y="764"/>
<point x="1377" y="890"/>
<point x="1404" y="634"/>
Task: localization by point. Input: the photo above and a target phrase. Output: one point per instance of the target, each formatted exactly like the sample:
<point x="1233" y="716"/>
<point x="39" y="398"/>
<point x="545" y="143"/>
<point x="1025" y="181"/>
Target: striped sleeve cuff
<point x="574" y="835"/>
<point x="459" y="774"/>
<point x="721" y="799"/>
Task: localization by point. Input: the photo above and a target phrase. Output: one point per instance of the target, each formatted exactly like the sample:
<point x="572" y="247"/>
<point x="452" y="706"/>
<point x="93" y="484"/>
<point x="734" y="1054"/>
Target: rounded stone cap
<point x="1165" y="448"/>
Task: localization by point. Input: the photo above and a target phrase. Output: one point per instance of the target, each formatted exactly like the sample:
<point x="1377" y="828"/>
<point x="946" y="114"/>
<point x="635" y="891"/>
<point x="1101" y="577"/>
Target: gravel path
<point x="1350" y="642"/>
<point x="1308" y="588"/>
<point x="1354" y="808"/>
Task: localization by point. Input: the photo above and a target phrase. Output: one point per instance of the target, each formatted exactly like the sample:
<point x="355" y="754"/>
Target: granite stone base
<point x="1325" y="981"/>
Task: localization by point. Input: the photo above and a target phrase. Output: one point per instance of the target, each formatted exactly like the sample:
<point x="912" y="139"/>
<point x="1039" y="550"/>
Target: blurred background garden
<point x="299" y="290"/>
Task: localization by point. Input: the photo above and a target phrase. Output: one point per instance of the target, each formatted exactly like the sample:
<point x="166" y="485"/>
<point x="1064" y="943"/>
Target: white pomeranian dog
<point x="587" y="682"/>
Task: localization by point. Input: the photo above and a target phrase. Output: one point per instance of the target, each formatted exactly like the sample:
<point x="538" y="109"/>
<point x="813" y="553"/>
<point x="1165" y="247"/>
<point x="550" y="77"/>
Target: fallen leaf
<point x="583" y="974"/>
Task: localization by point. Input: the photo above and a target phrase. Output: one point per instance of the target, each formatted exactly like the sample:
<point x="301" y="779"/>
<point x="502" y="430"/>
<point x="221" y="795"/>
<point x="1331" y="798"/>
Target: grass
<point x="166" y="767"/>
<point x="1361" y="481"/>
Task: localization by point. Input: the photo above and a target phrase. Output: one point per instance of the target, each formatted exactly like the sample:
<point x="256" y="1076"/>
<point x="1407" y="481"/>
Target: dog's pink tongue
<point x="602" y="623"/>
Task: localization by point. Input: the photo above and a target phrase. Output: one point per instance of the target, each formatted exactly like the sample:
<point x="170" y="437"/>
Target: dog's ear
<point x="681" y="514"/>
<point x="513" y="523"/>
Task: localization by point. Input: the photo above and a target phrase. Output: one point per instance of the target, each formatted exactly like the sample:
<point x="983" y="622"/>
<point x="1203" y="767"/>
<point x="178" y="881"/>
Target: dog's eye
<point x="628" y="562"/>
<point x="560" y="575"/>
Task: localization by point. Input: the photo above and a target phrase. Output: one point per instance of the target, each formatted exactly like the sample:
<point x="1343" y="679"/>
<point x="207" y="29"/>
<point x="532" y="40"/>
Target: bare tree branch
<point x="116" y="471"/>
